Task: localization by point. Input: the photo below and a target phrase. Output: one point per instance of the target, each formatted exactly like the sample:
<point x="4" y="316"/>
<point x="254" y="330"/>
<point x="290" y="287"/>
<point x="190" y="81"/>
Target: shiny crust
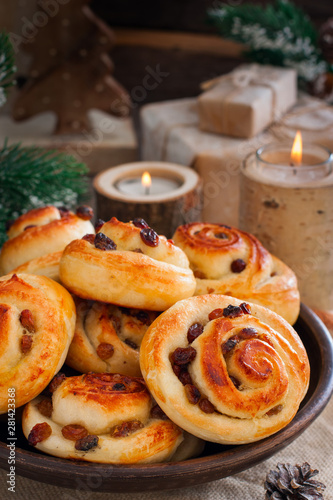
<point x="47" y="265"/>
<point x="53" y="314"/>
<point x="91" y="401"/>
<point x="154" y="279"/>
<point x="52" y="230"/>
<point x="271" y="369"/>
<point x="98" y="323"/>
<point x="266" y="280"/>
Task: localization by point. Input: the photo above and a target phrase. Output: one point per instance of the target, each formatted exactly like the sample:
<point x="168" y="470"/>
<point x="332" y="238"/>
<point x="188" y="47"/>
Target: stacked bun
<point x="107" y="338"/>
<point x="37" y="319"/>
<point x="127" y="264"/>
<point x="38" y="235"/>
<point x="231" y="262"/>
<point x="180" y="313"/>
<point x="106" y="418"/>
<point x="227" y="371"/>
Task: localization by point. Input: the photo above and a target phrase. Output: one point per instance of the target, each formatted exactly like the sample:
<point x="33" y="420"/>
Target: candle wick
<point x="147" y="190"/>
<point x="292" y="164"/>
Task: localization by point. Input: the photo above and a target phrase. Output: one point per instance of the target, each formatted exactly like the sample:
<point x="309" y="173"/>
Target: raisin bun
<point x="225" y="370"/>
<point x="232" y="262"/>
<point x="37" y="320"/>
<point x="107" y="338"/>
<point x="107" y="418"/>
<point x="127" y="264"/>
<point x="43" y="231"/>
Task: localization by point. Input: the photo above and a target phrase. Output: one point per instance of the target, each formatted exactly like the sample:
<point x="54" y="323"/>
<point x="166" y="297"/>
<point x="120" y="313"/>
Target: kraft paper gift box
<point x="246" y="101"/>
<point x="170" y="133"/>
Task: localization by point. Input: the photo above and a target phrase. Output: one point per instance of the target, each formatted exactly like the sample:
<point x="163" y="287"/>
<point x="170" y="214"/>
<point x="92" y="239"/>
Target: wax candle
<point x="173" y="197"/>
<point x="159" y="185"/>
<point x="289" y="208"/>
<point x="274" y="163"/>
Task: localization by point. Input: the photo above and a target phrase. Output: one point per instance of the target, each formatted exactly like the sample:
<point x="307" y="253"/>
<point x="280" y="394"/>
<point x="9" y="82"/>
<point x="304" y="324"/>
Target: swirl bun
<point x="224" y="370"/>
<point x="232" y="262"/>
<point x="107" y="338"/>
<point x="127" y="264"/>
<point x="37" y="319"/>
<point x="42" y="231"/>
<point x="106" y="418"/>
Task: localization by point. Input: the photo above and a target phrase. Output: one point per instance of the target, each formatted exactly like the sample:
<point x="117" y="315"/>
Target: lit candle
<point x="296" y="155"/>
<point x="146" y="185"/>
<point x="274" y="163"/>
<point x="166" y="195"/>
<point x="146" y="182"/>
<point x="286" y="201"/>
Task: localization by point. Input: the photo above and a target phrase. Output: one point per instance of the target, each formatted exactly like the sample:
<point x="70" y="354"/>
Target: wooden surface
<point x="171" y="40"/>
<point x="180" y="206"/>
<point x="163" y="217"/>
<point x="216" y="461"/>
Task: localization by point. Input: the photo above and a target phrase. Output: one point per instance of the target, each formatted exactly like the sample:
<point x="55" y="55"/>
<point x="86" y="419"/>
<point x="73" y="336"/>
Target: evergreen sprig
<point x="280" y="34"/>
<point x="32" y="177"/>
<point x="7" y="66"/>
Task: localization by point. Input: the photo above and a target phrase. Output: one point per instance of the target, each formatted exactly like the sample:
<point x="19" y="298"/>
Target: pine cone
<point x="325" y="39"/>
<point x="322" y="87"/>
<point x="293" y="483"/>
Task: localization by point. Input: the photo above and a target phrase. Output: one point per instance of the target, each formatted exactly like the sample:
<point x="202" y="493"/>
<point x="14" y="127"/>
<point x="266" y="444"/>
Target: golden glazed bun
<point x="223" y="370"/>
<point x="127" y="264"/>
<point x="107" y="338"/>
<point x="232" y="262"/>
<point x="107" y="418"/>
<point x="37" y="320"/>
<point x="42" y="231"/>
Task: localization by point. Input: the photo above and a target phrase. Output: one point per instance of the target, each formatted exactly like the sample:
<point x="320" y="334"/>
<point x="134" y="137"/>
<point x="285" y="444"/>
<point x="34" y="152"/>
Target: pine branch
<point x="7" y="68"/>
<point x="279" y="34"/>
<point x="32" y="177"/>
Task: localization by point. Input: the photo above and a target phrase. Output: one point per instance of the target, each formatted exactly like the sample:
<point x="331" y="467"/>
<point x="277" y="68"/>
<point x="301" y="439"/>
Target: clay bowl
<point x="216" y="462"/>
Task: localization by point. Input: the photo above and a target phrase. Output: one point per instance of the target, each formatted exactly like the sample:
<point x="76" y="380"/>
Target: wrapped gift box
<point x="170" y="133"/>
<point x="247" y="100"/>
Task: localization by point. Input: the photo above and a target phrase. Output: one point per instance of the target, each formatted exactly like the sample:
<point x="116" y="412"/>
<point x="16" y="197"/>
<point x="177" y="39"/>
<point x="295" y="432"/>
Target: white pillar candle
<point x="290" y="210"/>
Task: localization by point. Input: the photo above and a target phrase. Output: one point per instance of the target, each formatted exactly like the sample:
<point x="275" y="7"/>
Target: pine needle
<point x="7" y="66"/>
<point x="279" y="34"/>
<point x="32" y="177"/>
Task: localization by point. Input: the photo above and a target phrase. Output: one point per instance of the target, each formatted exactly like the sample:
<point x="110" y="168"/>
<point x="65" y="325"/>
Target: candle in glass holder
<point x="286" y="201"/>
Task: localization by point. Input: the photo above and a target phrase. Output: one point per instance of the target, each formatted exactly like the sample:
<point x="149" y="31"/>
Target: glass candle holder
<point x="292" y="213"/>
<point x="274" y="164"/>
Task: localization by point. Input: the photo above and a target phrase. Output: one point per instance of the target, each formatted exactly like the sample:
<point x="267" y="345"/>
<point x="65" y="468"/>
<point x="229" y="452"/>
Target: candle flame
<point x="296" y="151"/>
<point x="146" y="179"/>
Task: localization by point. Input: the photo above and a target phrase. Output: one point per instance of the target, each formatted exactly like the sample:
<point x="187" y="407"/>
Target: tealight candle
<point x="166" y="195"/>
<point x="147" y="185"/>
<point x="287" y="204"/>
